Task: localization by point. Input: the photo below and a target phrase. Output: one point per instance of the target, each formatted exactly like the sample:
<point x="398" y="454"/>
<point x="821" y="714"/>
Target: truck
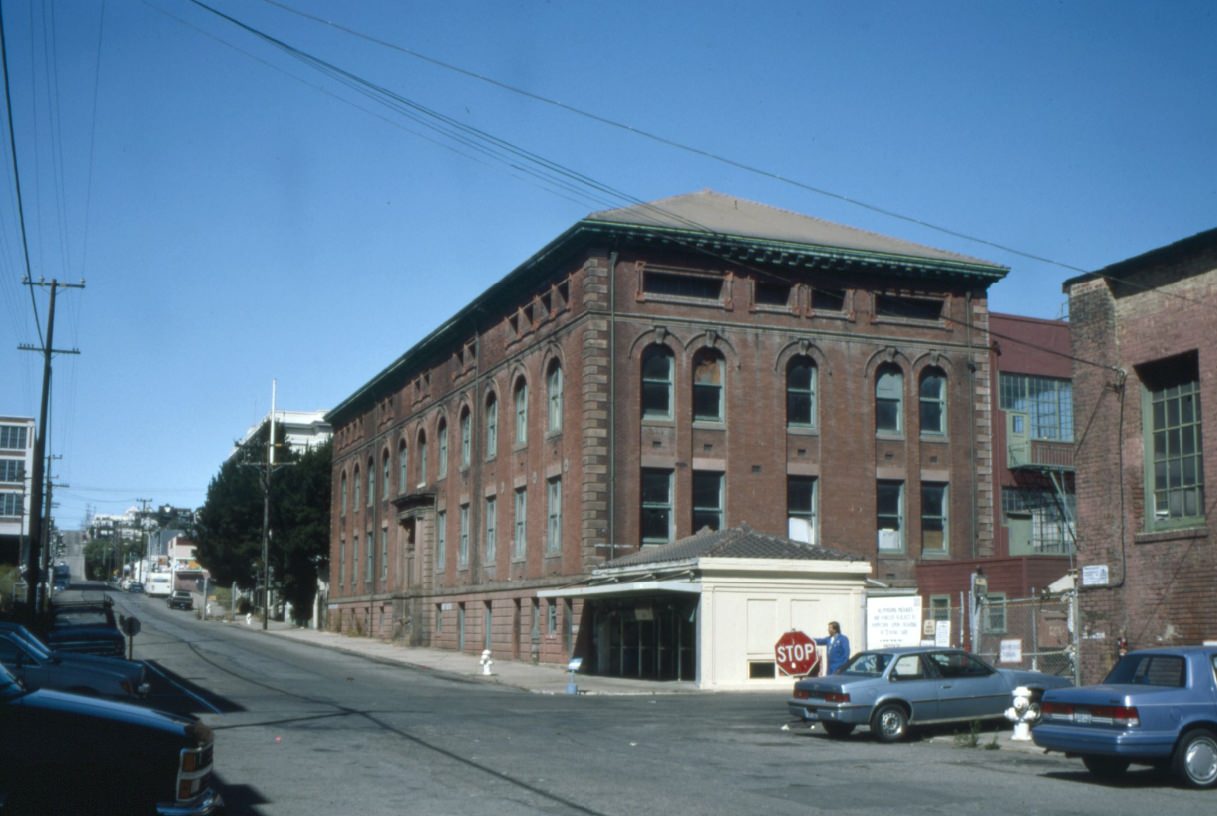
<point x="159" y="584"/>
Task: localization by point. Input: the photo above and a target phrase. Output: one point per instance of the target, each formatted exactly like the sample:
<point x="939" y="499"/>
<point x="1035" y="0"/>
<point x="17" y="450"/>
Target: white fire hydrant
<point x="486" y="662"/>
<point x="1023" y="713"/>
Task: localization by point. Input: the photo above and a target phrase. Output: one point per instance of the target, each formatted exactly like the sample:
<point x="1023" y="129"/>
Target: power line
<point x="25" y="245"/>
<point x="739" y="165"/>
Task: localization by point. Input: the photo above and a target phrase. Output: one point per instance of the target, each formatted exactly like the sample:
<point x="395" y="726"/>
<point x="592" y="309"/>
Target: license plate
<point x="1081" y="717"/>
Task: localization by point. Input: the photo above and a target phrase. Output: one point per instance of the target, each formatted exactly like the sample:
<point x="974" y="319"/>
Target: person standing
<point x="837" y="647"/>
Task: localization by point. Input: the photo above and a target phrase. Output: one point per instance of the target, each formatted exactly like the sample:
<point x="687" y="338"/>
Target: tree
<point x="229" y="525"/>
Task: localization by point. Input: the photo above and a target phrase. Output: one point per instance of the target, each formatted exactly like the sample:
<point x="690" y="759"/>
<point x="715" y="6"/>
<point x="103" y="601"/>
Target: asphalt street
<point x="303" y="728"/>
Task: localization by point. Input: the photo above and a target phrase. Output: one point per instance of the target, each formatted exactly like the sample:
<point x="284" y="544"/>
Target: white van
<point x="158" y="584"/>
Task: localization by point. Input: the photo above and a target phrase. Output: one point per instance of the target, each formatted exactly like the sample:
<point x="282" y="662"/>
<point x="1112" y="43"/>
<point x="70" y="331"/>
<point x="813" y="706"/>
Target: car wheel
<point x="1105" y="767"/>
<point x="838" y="730"/>
<point x="889" y="722"/>
<point x="1195" y="758"/>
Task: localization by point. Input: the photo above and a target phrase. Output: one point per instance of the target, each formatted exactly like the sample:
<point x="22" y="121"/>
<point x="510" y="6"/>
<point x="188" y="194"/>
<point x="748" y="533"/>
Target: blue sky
<point x="240" y="217"/>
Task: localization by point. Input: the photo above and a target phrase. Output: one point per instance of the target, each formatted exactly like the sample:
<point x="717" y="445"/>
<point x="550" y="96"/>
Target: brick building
<point x="1145" y="392"/>
<point x="701" y="361"/>
<point x="1034" y="508"/>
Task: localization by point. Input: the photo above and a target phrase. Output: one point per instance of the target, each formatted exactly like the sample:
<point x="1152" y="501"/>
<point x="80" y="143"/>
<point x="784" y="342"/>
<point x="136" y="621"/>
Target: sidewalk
<point x="543" y="678"/>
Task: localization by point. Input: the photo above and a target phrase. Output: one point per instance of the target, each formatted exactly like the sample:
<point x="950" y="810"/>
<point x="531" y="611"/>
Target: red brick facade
<point x="1139" y="326"/>
<point x="729" y="311"/>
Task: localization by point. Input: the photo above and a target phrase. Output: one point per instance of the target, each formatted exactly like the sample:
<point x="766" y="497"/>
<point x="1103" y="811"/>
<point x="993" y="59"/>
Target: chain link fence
<point x="1026" y="633"/>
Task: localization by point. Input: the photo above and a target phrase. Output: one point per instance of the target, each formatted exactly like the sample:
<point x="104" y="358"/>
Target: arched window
<point x="889" y="400"/>
<point x="801" y="393"/>
<point x="657" y="383"/>
<point x="441" y="441"/>
<point x="933" y="396"/>
<point x="343" y="492"/>
<point x="553" y="389"/>
<point x="385" y="472"/>
<point x="403" y="468"/>
<point x="492" y="426"/>
<point x="708" y="374"/>
<point x="521" y="405"/>
<point x="358" y="488"/>
<point x="371" y="497"/>
<point x="466" y="437"/>
<point x="421" y="447"/>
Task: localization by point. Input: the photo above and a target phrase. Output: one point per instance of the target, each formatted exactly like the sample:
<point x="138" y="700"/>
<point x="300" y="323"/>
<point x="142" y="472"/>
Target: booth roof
<point x="734" y="542"/>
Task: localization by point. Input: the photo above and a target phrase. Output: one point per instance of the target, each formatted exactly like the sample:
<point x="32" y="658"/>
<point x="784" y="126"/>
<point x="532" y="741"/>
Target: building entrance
<point x="649" y="638"/>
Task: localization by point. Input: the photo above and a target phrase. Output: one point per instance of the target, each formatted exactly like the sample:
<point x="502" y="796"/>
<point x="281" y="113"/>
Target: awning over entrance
<point x="623" y="588"/>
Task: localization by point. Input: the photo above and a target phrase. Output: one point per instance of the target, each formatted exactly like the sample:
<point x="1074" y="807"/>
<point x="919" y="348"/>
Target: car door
<point x="916" y="682"/>
<point x="970" y="688"/>
<point x="21" y="662"/>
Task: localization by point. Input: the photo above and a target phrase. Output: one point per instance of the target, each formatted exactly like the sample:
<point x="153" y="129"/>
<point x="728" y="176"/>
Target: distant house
<point x="301" y="430"/>
<point x="1145" y="394"/>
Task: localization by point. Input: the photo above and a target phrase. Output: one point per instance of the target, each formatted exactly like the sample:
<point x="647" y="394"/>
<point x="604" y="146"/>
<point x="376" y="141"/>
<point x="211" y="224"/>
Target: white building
<point x="302" y="430"/>
<point x="16" y="465"/>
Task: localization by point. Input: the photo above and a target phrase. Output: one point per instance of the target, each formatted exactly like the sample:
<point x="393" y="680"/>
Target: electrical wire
<point x="735" y="163"/>
<point x="25" y="245"/>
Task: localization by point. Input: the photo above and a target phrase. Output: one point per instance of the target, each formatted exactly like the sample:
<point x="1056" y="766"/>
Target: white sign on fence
<point x="893" y="621"/>
<point x="1011" y="651"/>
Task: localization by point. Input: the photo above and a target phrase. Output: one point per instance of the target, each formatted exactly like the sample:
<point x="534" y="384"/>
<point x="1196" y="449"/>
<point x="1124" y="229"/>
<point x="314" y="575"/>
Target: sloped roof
<point x="735" y="542"/>
<point x="709" y="211"/>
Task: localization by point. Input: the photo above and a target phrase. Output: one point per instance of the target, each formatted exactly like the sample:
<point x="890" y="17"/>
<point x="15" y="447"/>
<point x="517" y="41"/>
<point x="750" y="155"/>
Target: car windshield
<point x="32" y="643"/>
<point x="9" y="687"/>
<point x="869" y="664"/>
<point x="81" y="617"/>
<point x="1150" y="670"/>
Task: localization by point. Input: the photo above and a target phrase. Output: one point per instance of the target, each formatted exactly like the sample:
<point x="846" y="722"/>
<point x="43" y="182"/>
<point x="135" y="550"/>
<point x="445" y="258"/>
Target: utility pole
<point x="270" y="466"/>
<point x="36" y="509"/>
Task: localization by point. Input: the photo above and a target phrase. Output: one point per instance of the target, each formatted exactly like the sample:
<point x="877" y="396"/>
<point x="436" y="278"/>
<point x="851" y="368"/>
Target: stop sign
<point x="796" y="654"/>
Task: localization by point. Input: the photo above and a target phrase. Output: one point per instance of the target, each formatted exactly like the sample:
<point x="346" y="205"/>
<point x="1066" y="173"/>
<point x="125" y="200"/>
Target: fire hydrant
<point x="1023" y="713"/>
<point x="486" y="662"/>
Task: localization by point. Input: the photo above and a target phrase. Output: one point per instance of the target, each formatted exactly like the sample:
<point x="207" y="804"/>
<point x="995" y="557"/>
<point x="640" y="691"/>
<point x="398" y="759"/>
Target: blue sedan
<point x="892" y="690"/>
<point x="1156" y="707"/>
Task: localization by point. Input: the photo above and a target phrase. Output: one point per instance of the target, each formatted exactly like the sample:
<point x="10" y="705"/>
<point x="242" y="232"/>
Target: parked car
<point x="136" y="587"/>
<point x="181" y="599"/>
<point x="1156" y="707"/>
<point x="66" y="753"/>
<point x="38" y="666"/>
<point x="84" y="622"/>
<point x="893" y="690"/>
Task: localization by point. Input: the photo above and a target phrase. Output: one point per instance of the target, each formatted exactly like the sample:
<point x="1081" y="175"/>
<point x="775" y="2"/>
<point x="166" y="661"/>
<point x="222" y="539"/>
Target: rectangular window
<point x="384" y="553"/>
<point x="1174" y="471"/>
<point x="520" y="533"/>
<point x="708" y="389"/>
<point x="553" y="528"/>
<point x="657" y="516"/>
<point x="934" y="538"/>
<point x="491" y="522"/>
<point x="707" y="500"/>
<point x="675" y="284"/>
<point x="441" y="538"/>
<point x="1047" y="401"/>
<point x="940" y="607"/>
<point x="828" y="300"/>
<point x="462" y="544"/>
<point x="801" y="508"/>
<point x="370" y="554"/>
<point x="12" y="470"/>
<point x="14" y="437"/>
<point x="773" y="293"/>
<point x="913" y="308"/>
<point x="890" y="516"/>
<point x="342" y="562"/>
<point x="995" y="613"/>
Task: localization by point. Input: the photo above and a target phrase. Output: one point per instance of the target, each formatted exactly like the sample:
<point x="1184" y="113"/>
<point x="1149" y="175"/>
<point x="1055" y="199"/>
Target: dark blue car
<point x="1156" y="707"/>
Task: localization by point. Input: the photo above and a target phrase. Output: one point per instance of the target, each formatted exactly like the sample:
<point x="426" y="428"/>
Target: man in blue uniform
<point x="838" y="647"/>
